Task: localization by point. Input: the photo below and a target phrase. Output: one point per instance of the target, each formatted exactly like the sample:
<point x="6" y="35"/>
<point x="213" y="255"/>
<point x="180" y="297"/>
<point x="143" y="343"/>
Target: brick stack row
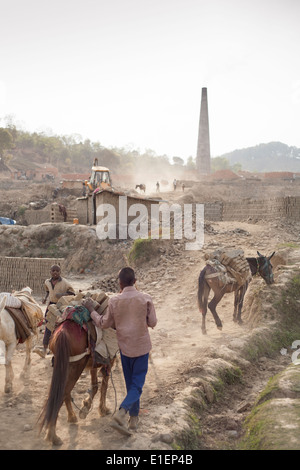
<point x="57" y="216"/>
<point x="16" y="273"/>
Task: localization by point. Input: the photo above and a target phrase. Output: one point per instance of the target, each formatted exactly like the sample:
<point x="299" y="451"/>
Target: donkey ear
<point x="272" y="255"/>
<point x="259" y="254"/>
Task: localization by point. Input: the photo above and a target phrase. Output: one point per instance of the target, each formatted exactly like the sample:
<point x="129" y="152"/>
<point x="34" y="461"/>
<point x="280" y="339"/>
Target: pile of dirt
<point x="279" y="174"/>
<point x="78" y="244"/>
<point x="223" y="175"/>
<point x="106" y="283"/>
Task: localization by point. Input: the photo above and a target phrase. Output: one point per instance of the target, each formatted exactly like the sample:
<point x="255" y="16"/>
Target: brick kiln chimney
<point x="203" y="148"/>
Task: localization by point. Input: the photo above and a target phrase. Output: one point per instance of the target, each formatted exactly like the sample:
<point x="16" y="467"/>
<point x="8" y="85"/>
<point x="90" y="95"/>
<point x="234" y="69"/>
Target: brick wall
<point x="292" y="207"/>
<point x="49" y="214"/>
<point x="16" y="273"/>
<point x="57" y="216"/>
<point x="265" y="209"/>
<point x="213" y="211"/>
<point x="39" y="216"/>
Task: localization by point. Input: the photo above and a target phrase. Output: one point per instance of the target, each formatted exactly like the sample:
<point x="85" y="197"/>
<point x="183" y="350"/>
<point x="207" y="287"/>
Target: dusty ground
<point x="179" y="350"/>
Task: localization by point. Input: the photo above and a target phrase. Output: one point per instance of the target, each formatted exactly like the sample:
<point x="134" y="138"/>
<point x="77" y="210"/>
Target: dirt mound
<point x="279" y="174"/>
<point x="78" y="244"/>
<point x="223" y="175"/>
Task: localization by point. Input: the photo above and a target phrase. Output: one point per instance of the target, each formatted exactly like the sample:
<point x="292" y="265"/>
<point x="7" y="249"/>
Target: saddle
<point x="230" y="265"/>
<point x="97" y="359"/>
<point x="22" y="323"/>
<point x="80" y="315"/>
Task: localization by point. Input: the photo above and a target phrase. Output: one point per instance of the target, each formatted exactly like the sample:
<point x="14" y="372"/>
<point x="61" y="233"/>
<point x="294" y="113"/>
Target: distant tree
<point x="178" y="161"/>
<point x="191" y="164"/>
<point x="6" y="141"/>
<point x="236" y="167"/>
<point x="219" y="163"/>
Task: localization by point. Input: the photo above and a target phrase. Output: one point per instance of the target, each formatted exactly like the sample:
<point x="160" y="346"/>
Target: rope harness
<point x="89" y="391"/>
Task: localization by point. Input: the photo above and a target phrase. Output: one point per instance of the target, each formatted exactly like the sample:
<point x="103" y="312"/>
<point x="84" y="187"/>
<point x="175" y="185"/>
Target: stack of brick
<point x="17" y="273"/>
<point x="292" y="207"/>
<point x="265" y="209"/>
<point x="57" y="216"/>
<point x="106" y="342"/>
<point x="100" y="300"/>
<point x="232" y="262"/>
<point x="213" y="211"/>
<point x="236" y="264"/>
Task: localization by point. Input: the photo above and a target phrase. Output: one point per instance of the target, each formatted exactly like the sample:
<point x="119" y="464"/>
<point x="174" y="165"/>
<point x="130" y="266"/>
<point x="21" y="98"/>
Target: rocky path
<point x="179" y="351"/>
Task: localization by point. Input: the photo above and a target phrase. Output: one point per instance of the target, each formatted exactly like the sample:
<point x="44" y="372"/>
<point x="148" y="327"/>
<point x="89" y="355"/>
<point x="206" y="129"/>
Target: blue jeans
<point x="46" y="338"/>
<point x="134" y="370"/>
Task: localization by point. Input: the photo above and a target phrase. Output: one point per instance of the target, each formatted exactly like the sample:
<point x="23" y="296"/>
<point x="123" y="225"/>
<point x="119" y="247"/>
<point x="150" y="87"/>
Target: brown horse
<point x="69" y="344"/>
<point x="260" y="265"/>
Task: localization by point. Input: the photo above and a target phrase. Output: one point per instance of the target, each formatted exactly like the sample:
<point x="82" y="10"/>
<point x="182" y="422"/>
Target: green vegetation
<point x="21" y="210"/>
<point x="287" y="330"/>
<point x="190" y="437"/>
<point x="273" y="423"/>
<point x="72" y="153"/>
<point x="229" y="376"/>
<point x="221" y="163"/>
<point x="6" y="142"/>
<point x="288" y="245"/>
<point x="274" y="156"/>
<point x="143" y="250"/>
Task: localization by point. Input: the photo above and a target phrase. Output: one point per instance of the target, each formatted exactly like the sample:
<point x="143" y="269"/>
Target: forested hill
<point x="21" y="150"/>
<point x="274" y="156"/>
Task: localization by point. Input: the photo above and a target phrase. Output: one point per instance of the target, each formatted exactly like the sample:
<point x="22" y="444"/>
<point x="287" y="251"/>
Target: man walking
<point x="131" y="313"/>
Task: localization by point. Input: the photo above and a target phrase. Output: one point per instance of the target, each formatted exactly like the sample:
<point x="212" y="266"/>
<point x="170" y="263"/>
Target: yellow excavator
<point x="100" y="178"/>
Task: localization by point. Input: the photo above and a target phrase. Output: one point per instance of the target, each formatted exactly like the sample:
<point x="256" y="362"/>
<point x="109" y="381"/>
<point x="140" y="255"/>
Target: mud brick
<point x="64" y="301"/>
<point x="99" y="296"/>
<point x="78" y="296"/>
<point x="102" y="306"/>
<point x="53" y="309"/>
<point x="53" y="315"/>
<point x="96" y="304"/>
<point x="17" y="273"/>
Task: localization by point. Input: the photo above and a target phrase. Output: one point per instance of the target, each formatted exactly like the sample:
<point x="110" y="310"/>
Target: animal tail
<point x="202" y="298"/>
<point x="55" y="398"/>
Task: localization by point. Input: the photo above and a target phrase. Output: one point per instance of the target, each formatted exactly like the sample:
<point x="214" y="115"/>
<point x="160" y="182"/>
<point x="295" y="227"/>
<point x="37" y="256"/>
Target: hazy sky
<point x="129" y="73"/>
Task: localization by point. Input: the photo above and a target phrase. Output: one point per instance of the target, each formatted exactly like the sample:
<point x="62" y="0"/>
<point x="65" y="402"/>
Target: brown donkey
<point x="260" y="265"/>
<point x="69" y="344"/>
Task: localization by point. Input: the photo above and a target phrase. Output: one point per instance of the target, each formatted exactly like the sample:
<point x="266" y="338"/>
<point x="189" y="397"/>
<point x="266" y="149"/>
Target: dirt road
<point x="179" y="348"/>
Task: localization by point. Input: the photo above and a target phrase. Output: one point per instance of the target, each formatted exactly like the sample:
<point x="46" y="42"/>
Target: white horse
<point x="8" y="336"/>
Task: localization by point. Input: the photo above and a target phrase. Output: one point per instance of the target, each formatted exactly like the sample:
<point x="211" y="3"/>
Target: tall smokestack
<point x="203" y="148"/>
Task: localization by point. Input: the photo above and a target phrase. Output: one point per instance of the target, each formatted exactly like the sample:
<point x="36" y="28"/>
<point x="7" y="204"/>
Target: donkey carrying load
<point x="20" y="315"/>
<point x="76" y="345"/>
<point x="228" y="271"/>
